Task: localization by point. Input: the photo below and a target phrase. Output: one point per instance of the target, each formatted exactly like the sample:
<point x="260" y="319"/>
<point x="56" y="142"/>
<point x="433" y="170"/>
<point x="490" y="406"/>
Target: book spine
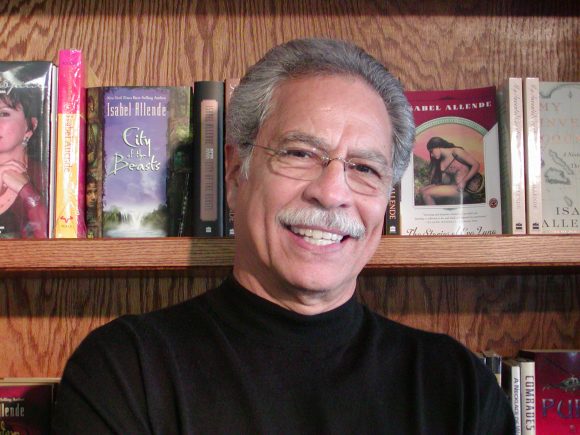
<point x="70" y="155"/>
<point x="180" y="169"/>
<point x="230" y="85"/>
<point x="533" y="155"/>
<point x="528" y="396"/>
<point x="511" y="384"/>
<point x="52" y="148"/>
<point x="94" y="158"/>
<point x="511" y="119"/>
<point x="392" y="227"/>
<point x="208" y="160"/>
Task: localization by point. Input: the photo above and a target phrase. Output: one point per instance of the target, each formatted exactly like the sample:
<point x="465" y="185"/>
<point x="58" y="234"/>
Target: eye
<point x="299" y="153"/>
<point x="366" y="169"/>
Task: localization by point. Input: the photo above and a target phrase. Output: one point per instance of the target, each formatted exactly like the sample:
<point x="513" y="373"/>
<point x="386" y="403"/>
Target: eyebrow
<point x="317" y="142"/>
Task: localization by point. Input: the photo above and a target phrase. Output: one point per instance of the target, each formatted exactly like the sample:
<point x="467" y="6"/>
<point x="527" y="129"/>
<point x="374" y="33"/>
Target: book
<point x="452" y="185"/>
<point x="560" y="145"/>
<point x="528" y="395"/>
<point x="511" y="385"/>
<point x="511" y="146"/>
<point x="493" y="362"/>
<point x="139" y="161"/>
<point x="208" y="160"/>
<point x="26" y="405"/>
<point x="557" y="393"/>
<point x="230" y="84"/>
<point x="69" y="196"/>
<point x="27" y="90"/>
<point x="392" y="216"/>
<point x="533" y="156"/>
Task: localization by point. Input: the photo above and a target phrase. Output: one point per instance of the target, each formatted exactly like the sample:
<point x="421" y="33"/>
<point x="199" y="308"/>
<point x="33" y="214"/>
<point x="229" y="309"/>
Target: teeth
<point x="317" y="237"/>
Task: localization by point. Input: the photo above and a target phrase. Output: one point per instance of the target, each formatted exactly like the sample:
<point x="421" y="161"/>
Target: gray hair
<point x="250" y="103"/>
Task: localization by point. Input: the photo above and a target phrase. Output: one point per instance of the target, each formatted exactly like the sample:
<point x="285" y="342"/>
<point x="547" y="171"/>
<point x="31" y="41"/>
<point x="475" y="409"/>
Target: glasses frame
<point x="324" y="159"/>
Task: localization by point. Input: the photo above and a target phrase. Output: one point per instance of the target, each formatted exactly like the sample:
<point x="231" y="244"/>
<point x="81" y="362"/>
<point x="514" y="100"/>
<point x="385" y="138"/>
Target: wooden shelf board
<point x="182" y="253"/>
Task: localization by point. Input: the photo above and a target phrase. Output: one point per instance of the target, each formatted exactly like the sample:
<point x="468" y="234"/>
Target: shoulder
<point x="446" y="371"/>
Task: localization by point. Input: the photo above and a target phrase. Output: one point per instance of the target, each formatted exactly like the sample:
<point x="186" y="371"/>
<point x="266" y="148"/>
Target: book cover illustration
<point x="69" y="221"/>
<point x="560" y="143"/>
<point x="144" y="185"/>
<point x="511" y="133"/>
<point x="452" y="185"/>
<point x="208" y="162"/>
<point x="557" y="378"/>
<point x="26" y="123"/>
<point x="26" y="407"/>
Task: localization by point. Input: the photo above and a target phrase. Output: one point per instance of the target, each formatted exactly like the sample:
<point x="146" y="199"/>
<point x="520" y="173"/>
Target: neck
<point x="299" y="300"/>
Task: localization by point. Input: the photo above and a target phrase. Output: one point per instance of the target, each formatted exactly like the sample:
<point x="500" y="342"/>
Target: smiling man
<point x="318" y="131"/>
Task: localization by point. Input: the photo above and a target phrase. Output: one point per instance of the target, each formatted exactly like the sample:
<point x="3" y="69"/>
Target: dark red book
<point x="26" y="405"/>
<point x="557" y="390"/>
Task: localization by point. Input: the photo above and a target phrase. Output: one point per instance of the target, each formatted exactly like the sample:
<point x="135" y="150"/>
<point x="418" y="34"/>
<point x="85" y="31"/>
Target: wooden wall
<point x="428" y="45"/>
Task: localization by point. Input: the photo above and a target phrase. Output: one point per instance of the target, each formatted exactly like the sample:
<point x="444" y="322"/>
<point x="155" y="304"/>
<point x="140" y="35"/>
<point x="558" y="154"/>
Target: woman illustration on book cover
<point x="23" y="212"/>
<point x="454" y="176"/>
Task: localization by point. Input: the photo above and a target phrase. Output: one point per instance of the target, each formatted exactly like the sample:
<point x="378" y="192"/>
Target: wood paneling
<point x="429" y="45"/>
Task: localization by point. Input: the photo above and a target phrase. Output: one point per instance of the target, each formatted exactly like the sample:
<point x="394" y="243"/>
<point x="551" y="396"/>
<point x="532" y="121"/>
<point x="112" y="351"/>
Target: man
<point x="321" y="130"/>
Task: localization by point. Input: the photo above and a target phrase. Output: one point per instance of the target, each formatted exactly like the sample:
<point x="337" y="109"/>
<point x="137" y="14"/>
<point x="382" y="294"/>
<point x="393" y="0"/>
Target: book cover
<point x="26" y="126"/>
<point x="139" y="161"/>
<point x="69" y="196"/>
<point x="26" y="406"/>
<point x="528" y="395"/>
<point x="533" y="156"/>
<point x="560" y="144"/>
<point x="452" y="185"/>
<point x="511" y="147"/>
<point x="557" y="394"/>
<point x="511" y="385"/>
<point x="392" y="227"/>
<point x="208" y="161"/>
<point x="230" y="85"/>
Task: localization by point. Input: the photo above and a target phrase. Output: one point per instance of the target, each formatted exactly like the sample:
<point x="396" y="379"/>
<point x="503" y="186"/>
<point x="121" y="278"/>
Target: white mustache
<point x="337" y="220"/>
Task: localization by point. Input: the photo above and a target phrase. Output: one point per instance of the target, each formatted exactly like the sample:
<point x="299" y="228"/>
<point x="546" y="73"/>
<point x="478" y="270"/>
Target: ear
<point x="34" y="122"/>
<point x="232" y="175"/>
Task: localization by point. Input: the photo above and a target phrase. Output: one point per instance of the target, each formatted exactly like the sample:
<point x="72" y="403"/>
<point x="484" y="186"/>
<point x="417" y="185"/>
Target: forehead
<point x="338" y="109"/>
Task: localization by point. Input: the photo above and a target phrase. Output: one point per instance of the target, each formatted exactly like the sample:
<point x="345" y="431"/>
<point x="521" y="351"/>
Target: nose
<point x="330" y="189"/>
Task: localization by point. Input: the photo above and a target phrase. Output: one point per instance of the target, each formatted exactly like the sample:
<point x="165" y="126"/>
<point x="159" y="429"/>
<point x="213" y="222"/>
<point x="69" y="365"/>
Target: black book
<point x="208" y="158"/>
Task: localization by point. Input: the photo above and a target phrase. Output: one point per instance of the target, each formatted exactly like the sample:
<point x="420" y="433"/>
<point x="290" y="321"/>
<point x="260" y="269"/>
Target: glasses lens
<point x="304" y="162"/>
<point x="367" y="177"/>
<point x="299" y="161"/>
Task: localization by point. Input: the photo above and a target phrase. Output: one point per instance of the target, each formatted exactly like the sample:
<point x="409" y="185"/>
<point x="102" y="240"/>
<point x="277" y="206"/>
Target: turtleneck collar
<point x="262" y="320"/>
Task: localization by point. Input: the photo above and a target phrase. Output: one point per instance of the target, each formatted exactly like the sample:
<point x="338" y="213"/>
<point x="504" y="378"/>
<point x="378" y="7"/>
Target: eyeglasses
<point x="302" y="161"/>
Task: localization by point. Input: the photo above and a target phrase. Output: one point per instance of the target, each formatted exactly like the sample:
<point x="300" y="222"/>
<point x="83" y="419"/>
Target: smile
<point x="317" y="237"/>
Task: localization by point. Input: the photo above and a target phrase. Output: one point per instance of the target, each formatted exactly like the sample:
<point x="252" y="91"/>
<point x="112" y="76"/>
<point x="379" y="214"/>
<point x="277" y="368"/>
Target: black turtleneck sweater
<point x="230" y="362"/>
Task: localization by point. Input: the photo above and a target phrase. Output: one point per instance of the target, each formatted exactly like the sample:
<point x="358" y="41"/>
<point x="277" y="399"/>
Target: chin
<point x="315" y="282"/>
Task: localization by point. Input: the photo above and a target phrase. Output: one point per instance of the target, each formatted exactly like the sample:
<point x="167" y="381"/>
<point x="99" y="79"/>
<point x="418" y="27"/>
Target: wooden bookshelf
<point x="417" y="253"/>
<point x="498" y="292"/>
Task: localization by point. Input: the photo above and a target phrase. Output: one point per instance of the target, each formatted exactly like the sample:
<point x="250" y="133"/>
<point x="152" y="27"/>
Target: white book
<point x="511" y="147"/>
<point x="511" y="384"/>
<point x="560" y="144"/>
<point x="533" y="155"/>
<point x="528" y="395"/>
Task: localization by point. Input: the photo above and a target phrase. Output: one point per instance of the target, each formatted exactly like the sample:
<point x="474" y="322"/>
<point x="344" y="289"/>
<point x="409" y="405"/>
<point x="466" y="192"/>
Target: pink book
<point x="69" y="194"/>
